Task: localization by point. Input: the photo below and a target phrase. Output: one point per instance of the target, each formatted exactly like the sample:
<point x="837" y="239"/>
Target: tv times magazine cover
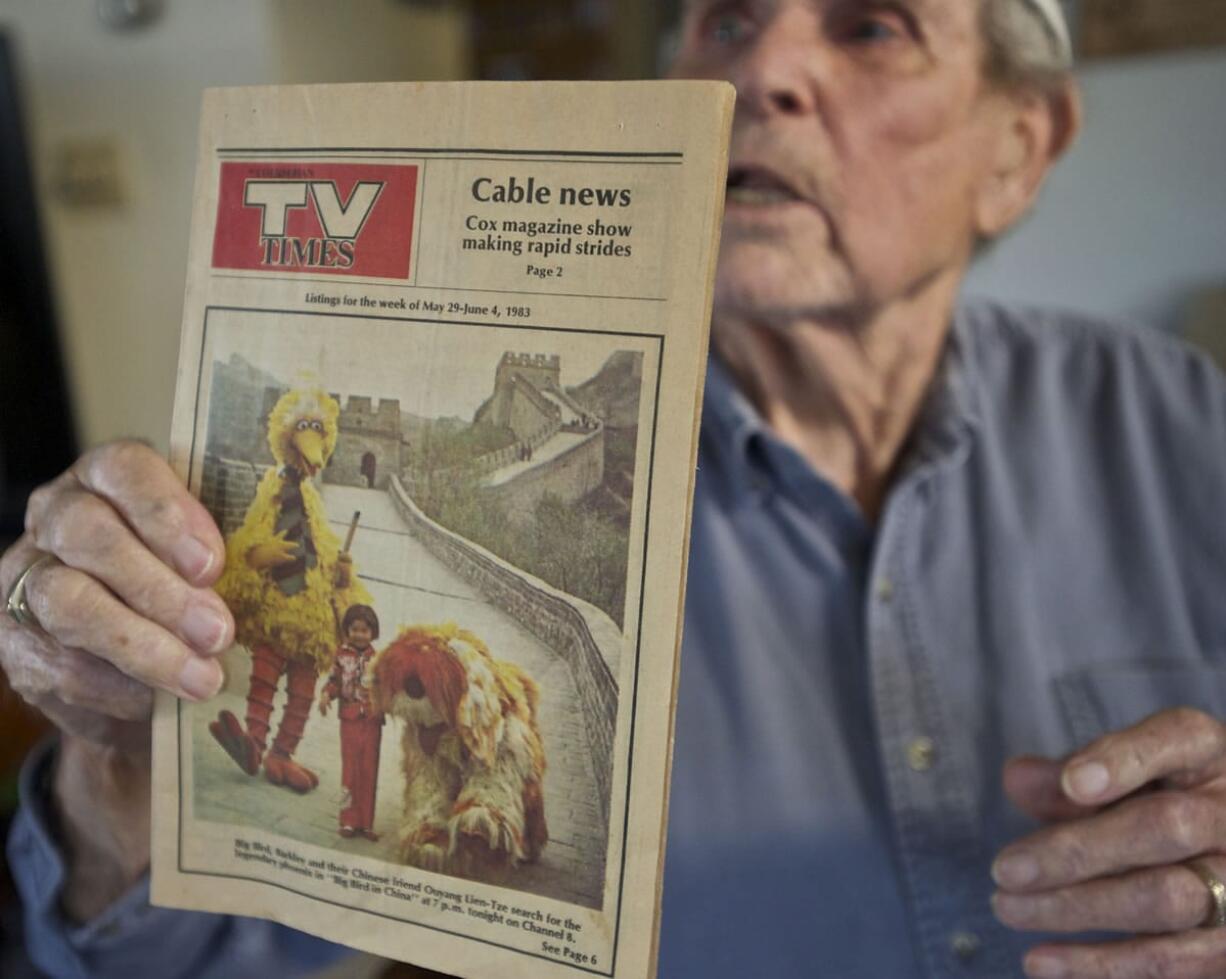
<point x="439" y="387"/>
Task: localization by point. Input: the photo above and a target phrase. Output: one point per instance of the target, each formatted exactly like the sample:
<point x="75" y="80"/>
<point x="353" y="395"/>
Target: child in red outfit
<point x="361" y="723"/>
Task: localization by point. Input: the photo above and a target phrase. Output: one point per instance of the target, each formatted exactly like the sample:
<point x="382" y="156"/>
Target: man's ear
<point x="1035" y="130"/>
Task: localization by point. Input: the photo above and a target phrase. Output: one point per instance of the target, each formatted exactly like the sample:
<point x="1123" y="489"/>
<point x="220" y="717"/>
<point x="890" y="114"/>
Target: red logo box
<point x="313" y="218"/>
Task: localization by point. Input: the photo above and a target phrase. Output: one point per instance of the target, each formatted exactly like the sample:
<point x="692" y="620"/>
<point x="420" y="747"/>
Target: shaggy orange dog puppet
<point x="284" y="571"/>
<point x="472" y="755"/>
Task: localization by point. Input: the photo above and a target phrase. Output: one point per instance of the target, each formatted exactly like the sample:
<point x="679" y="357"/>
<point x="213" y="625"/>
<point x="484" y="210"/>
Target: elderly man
<point x="926" y="540"/>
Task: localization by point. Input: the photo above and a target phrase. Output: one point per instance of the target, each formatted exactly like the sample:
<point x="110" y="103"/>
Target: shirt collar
<point x="727" y="413"/>
<point x="950" y="411"/>
<point x="948" y="414"/>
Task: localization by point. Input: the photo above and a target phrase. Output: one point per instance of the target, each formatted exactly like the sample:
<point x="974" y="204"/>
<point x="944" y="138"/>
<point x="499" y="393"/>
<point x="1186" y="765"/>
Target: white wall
<point x="369" y="40"/>
<point x="1133" y="221"/>
<point x="119" y="271"/>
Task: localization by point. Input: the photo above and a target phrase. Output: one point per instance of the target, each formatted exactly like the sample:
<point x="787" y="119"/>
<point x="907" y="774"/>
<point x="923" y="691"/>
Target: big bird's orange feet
<point x="283" y="770"/>
<point x="239" y="745"/>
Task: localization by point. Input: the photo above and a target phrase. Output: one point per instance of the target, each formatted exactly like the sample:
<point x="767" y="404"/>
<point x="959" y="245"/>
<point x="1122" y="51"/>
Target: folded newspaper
<point x="442" y="356"/>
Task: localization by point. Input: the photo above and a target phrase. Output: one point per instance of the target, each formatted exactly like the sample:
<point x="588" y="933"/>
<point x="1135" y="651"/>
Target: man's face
<point x="863" y="133"/>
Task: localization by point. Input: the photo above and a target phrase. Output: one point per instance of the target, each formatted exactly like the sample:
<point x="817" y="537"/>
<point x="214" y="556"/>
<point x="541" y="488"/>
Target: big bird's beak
<point x="310" y="446"/>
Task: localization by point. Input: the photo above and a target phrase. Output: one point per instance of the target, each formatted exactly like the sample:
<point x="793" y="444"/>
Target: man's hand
<point x="324" y="701"/>
<point x="1126" y="812"/>
<point x="124" y="608"/>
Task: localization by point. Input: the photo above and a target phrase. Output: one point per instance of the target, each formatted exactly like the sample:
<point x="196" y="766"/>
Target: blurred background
<point x="98" y="114"/>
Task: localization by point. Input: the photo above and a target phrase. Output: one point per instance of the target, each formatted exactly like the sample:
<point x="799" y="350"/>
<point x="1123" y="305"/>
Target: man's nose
<point x="778" y="69"/>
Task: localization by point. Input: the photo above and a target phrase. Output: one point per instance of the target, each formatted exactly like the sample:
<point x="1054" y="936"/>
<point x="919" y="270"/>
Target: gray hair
<point x="1023" y="49"/>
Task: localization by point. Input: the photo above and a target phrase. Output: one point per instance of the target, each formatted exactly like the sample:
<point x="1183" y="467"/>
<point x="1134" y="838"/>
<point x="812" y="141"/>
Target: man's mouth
<point x="756" y="186"/>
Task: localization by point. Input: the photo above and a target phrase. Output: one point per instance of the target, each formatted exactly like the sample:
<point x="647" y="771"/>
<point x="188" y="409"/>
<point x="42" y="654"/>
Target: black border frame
<point x="179" y="718"/>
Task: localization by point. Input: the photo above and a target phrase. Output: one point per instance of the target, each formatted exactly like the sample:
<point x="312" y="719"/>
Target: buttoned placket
<point x="928" y="770"/>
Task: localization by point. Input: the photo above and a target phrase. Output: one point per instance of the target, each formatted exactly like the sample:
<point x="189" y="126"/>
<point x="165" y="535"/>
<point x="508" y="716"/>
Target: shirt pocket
<point x="1101" y="699"/>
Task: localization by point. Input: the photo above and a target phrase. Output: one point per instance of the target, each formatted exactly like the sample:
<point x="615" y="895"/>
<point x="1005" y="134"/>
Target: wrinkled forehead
<point x="689" y="6"/>
<point x="1050" y="11"/>
<point x="943" y="23"/>
<point x="939" y="17"/>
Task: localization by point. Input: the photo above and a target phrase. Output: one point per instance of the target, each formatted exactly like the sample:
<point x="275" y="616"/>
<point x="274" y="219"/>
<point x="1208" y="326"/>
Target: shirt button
<point x="964" y="945"/>
<point x="885" y="589"/>
<point x="921" y="754"/>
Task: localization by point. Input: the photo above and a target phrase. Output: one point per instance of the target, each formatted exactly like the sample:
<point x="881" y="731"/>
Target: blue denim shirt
<point x="1050" y="565"/>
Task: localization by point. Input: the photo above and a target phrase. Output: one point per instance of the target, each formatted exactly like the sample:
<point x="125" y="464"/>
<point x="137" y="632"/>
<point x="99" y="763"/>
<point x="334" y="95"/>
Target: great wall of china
<point x="558" y="449"/>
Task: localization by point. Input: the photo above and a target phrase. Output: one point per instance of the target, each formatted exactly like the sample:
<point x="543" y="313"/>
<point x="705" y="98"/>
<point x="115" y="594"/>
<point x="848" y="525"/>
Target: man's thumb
<point x="1033" y="785"/>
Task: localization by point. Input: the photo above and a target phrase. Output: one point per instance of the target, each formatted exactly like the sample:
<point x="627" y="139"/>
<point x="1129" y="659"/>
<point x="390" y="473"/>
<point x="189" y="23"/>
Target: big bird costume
<point x="286" y="582"/>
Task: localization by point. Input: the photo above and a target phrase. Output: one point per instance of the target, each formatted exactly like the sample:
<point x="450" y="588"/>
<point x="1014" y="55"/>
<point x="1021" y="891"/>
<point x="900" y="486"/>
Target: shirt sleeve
<point x="133" y="938"/>
<point x="333" y="686"/>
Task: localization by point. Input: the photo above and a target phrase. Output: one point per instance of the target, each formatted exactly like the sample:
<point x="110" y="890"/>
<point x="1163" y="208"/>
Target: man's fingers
<point x="1033" y="785"/>
<point x="86" y="533"/>
<point x="1148" y="831"/>
<point x="78" y="612"/>
<point x="127" y="531"/>
<point x="60" y="680"/>
<point x="1168" y="744"/>
<point x="112" y="732"/>
<point x="1154" y="900"/>
<point x="14" y="561"/>
<point x="1198" y="954"/>
<point x="143" y="488"/>
<point x="101" y="729"/>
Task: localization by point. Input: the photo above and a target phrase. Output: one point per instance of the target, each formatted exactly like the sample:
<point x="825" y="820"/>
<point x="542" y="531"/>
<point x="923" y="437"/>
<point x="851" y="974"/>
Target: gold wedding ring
<point x="15" y="604"/>
<point x="1216" y="918"/>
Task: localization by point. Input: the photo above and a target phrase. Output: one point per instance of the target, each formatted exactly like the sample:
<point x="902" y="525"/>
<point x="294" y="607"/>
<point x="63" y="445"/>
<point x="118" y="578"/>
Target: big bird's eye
<point x="302" y="426"/>
<point x="317" y="426"/>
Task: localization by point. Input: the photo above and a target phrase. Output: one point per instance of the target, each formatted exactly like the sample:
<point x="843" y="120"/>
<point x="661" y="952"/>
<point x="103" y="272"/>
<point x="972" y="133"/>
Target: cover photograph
<point x="440" y="374"/>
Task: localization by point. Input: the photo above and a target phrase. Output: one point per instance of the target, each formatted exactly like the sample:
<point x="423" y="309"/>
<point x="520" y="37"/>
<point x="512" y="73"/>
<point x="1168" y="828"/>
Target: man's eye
<point x="728" y="28"/>
<point x="873" y="26"/>
<point x="872" y="29"/>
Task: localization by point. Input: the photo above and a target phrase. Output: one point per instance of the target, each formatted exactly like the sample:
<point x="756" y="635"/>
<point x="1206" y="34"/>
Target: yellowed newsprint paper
<point x="442" y="357"/>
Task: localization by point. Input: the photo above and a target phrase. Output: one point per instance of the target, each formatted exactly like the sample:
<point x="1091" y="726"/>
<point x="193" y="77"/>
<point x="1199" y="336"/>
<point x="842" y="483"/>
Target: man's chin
<point x="781" y="281"/>
<point x="783" y="301"/>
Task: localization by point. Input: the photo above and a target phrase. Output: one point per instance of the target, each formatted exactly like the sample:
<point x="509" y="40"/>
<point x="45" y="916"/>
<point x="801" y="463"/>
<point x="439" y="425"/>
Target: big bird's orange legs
<point x="247" y="747"/>
<point x="280" y="767"/>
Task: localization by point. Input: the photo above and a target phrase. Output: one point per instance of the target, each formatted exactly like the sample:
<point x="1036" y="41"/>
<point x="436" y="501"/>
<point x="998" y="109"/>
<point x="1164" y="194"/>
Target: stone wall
<point x="547" y="615"/>
<point x="239" y="401"/>
<point x="477" y="469"/>
<point x="540" y="370"/>
<point x="227" y="489"/>
<point x="562" y="395"/>
<point x="359" y="415"/>
<point x="528" y="413"/>
<point x="370" y="443"/>
<point x="570" y="477"/>
<point x="349" y="465"/>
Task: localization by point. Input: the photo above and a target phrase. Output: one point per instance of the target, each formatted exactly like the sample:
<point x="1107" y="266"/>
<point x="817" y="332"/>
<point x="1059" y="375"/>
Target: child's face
<point x="359" y="634"/>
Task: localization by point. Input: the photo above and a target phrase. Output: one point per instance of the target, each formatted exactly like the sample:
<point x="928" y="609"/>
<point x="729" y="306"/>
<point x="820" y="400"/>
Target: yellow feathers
<point x="292" y="410"/>
<point x="304" y="624"/>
